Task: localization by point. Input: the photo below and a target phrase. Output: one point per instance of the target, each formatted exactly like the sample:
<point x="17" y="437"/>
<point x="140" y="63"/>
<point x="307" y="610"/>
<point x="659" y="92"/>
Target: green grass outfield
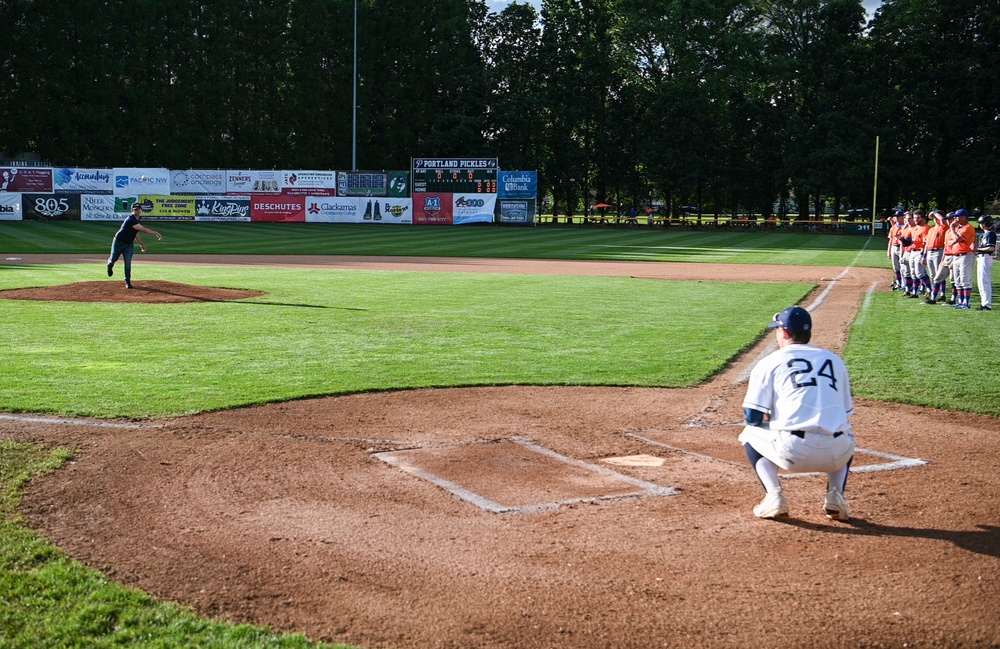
<point x="707" y="246"/>
<point x="331" y="332"/>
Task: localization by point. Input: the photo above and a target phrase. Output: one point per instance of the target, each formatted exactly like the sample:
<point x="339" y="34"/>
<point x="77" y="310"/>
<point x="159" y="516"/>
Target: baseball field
<point x="480" y="437"/>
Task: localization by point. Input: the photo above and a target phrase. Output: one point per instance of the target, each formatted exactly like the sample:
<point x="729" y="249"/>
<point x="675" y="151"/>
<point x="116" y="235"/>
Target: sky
<point x="498" y="5"/>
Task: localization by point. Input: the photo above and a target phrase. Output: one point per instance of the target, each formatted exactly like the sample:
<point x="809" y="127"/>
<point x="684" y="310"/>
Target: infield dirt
<point x="285" y="515"/>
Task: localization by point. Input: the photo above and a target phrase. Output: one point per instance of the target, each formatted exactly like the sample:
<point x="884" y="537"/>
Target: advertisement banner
<point x="278" y="209"/>
<point x="253" y="182"/>
<point x="167" y="208"/>
<point x="517" y="184"/>
<point x="517" y="212"/>
<point x="473" y="208"/>
<point x="330" y="209"/>
<point x="432" y="209"/>
<point x="123" y="205"/>
<point x="82" y="181"/>
<point x="309" y="183"/>
<point x="26" y="179"/>
<point x="198" y="181"/>
<point x="399" y="184"/>
<point x="222" y="208"/>
<point x="99" y="207"/>
<point x="50" y="207"/>
<point x="324" y="209"/>
<point x="10" y="207"/>
<point x="133" y="181"/>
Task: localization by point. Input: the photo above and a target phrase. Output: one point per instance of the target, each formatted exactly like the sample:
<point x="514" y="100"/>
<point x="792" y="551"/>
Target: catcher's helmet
<point x="986" y="221"/>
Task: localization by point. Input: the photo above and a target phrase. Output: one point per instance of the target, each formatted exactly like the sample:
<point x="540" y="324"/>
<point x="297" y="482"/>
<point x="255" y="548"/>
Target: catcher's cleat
<point x="773" y="505"/>
<point x="835" y="506"/>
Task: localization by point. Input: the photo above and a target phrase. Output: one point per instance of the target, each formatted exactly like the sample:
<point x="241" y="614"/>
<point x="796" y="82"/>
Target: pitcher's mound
<point x="113" y="290"/>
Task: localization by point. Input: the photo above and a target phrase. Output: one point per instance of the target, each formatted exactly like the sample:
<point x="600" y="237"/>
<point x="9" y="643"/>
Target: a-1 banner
<point x="432" y="209"/>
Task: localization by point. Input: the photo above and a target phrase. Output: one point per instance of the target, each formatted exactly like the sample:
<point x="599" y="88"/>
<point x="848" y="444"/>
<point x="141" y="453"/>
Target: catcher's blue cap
<point x="794" y="318"/>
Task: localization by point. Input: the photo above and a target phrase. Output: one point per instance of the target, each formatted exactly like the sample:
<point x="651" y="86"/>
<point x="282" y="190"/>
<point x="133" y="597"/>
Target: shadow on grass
<point x="197" y="298"/>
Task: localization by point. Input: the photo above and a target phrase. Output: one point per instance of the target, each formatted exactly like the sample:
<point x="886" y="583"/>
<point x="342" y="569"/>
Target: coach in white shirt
<point x="805" y="395"/>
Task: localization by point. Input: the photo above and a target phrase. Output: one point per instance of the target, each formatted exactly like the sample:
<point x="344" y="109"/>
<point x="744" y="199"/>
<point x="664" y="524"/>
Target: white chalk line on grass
<point x="866" y="304"/>
<point x="745" y="374"/>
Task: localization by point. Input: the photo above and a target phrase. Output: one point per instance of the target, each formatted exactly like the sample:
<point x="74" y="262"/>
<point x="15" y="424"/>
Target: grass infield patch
<point x="324" y="332"/>
<point x="620" y="244"/>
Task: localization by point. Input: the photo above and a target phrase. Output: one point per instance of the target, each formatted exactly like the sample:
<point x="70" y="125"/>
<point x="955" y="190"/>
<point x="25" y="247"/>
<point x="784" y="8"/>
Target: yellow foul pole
<point x="875" y="186"/>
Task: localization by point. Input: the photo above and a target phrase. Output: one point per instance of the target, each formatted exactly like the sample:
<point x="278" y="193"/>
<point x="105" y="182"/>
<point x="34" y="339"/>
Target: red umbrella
<point x="601" y="206"/>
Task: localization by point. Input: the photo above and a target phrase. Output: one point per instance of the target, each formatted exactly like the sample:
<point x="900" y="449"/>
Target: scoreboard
<point x="455" y="176"/>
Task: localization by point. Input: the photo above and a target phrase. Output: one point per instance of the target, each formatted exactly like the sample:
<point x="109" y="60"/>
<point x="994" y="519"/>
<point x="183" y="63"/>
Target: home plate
<point x="635" y="460"/>
<point x="517" y="475"/>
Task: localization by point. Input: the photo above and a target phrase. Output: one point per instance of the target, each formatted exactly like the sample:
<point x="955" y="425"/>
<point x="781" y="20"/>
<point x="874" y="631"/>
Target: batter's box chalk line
<point x="644" y="489"/>
<point x="894" y="461"/>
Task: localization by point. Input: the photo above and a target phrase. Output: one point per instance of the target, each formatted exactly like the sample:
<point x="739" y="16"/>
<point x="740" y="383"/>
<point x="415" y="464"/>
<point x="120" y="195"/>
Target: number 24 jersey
<point x="802" y="387"/>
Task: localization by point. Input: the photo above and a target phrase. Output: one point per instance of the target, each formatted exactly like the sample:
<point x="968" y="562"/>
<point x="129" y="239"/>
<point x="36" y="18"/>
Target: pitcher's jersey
<point x="802" y="387"/>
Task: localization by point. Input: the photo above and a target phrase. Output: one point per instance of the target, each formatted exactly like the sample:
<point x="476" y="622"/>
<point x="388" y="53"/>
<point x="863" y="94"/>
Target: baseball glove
<point x="906" y="241"/>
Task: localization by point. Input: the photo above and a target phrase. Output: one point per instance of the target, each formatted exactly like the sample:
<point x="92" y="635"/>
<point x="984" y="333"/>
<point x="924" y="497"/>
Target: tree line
<point x="729" y="105"/>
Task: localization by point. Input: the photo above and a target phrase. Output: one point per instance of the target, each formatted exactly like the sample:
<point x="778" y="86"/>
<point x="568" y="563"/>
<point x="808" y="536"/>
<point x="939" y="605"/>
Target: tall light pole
<point x="354" y="126"/>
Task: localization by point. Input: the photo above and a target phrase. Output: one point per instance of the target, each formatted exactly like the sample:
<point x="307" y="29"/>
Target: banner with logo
<point x="328" y="209"/>
<point x="99" y="207"/>
<point x="167" y="208"/>
<point x="222" y="208"/>
<point x="10" y="207"/>
<point x="82" y="181"/>
<point x="473" y="208"/>
<point x="516" y="212"/>
<point x="253" y="182"/>
<point x="132" y="181"/>
<point x="517" y="184"/>
<point x="26" y="179"/>
<point x="309" y="183"/>
<point x="50" y="207"/>
<point x="198" y="181"/>
<point x="432" y="209"/>
<point x="278" y="209"/>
